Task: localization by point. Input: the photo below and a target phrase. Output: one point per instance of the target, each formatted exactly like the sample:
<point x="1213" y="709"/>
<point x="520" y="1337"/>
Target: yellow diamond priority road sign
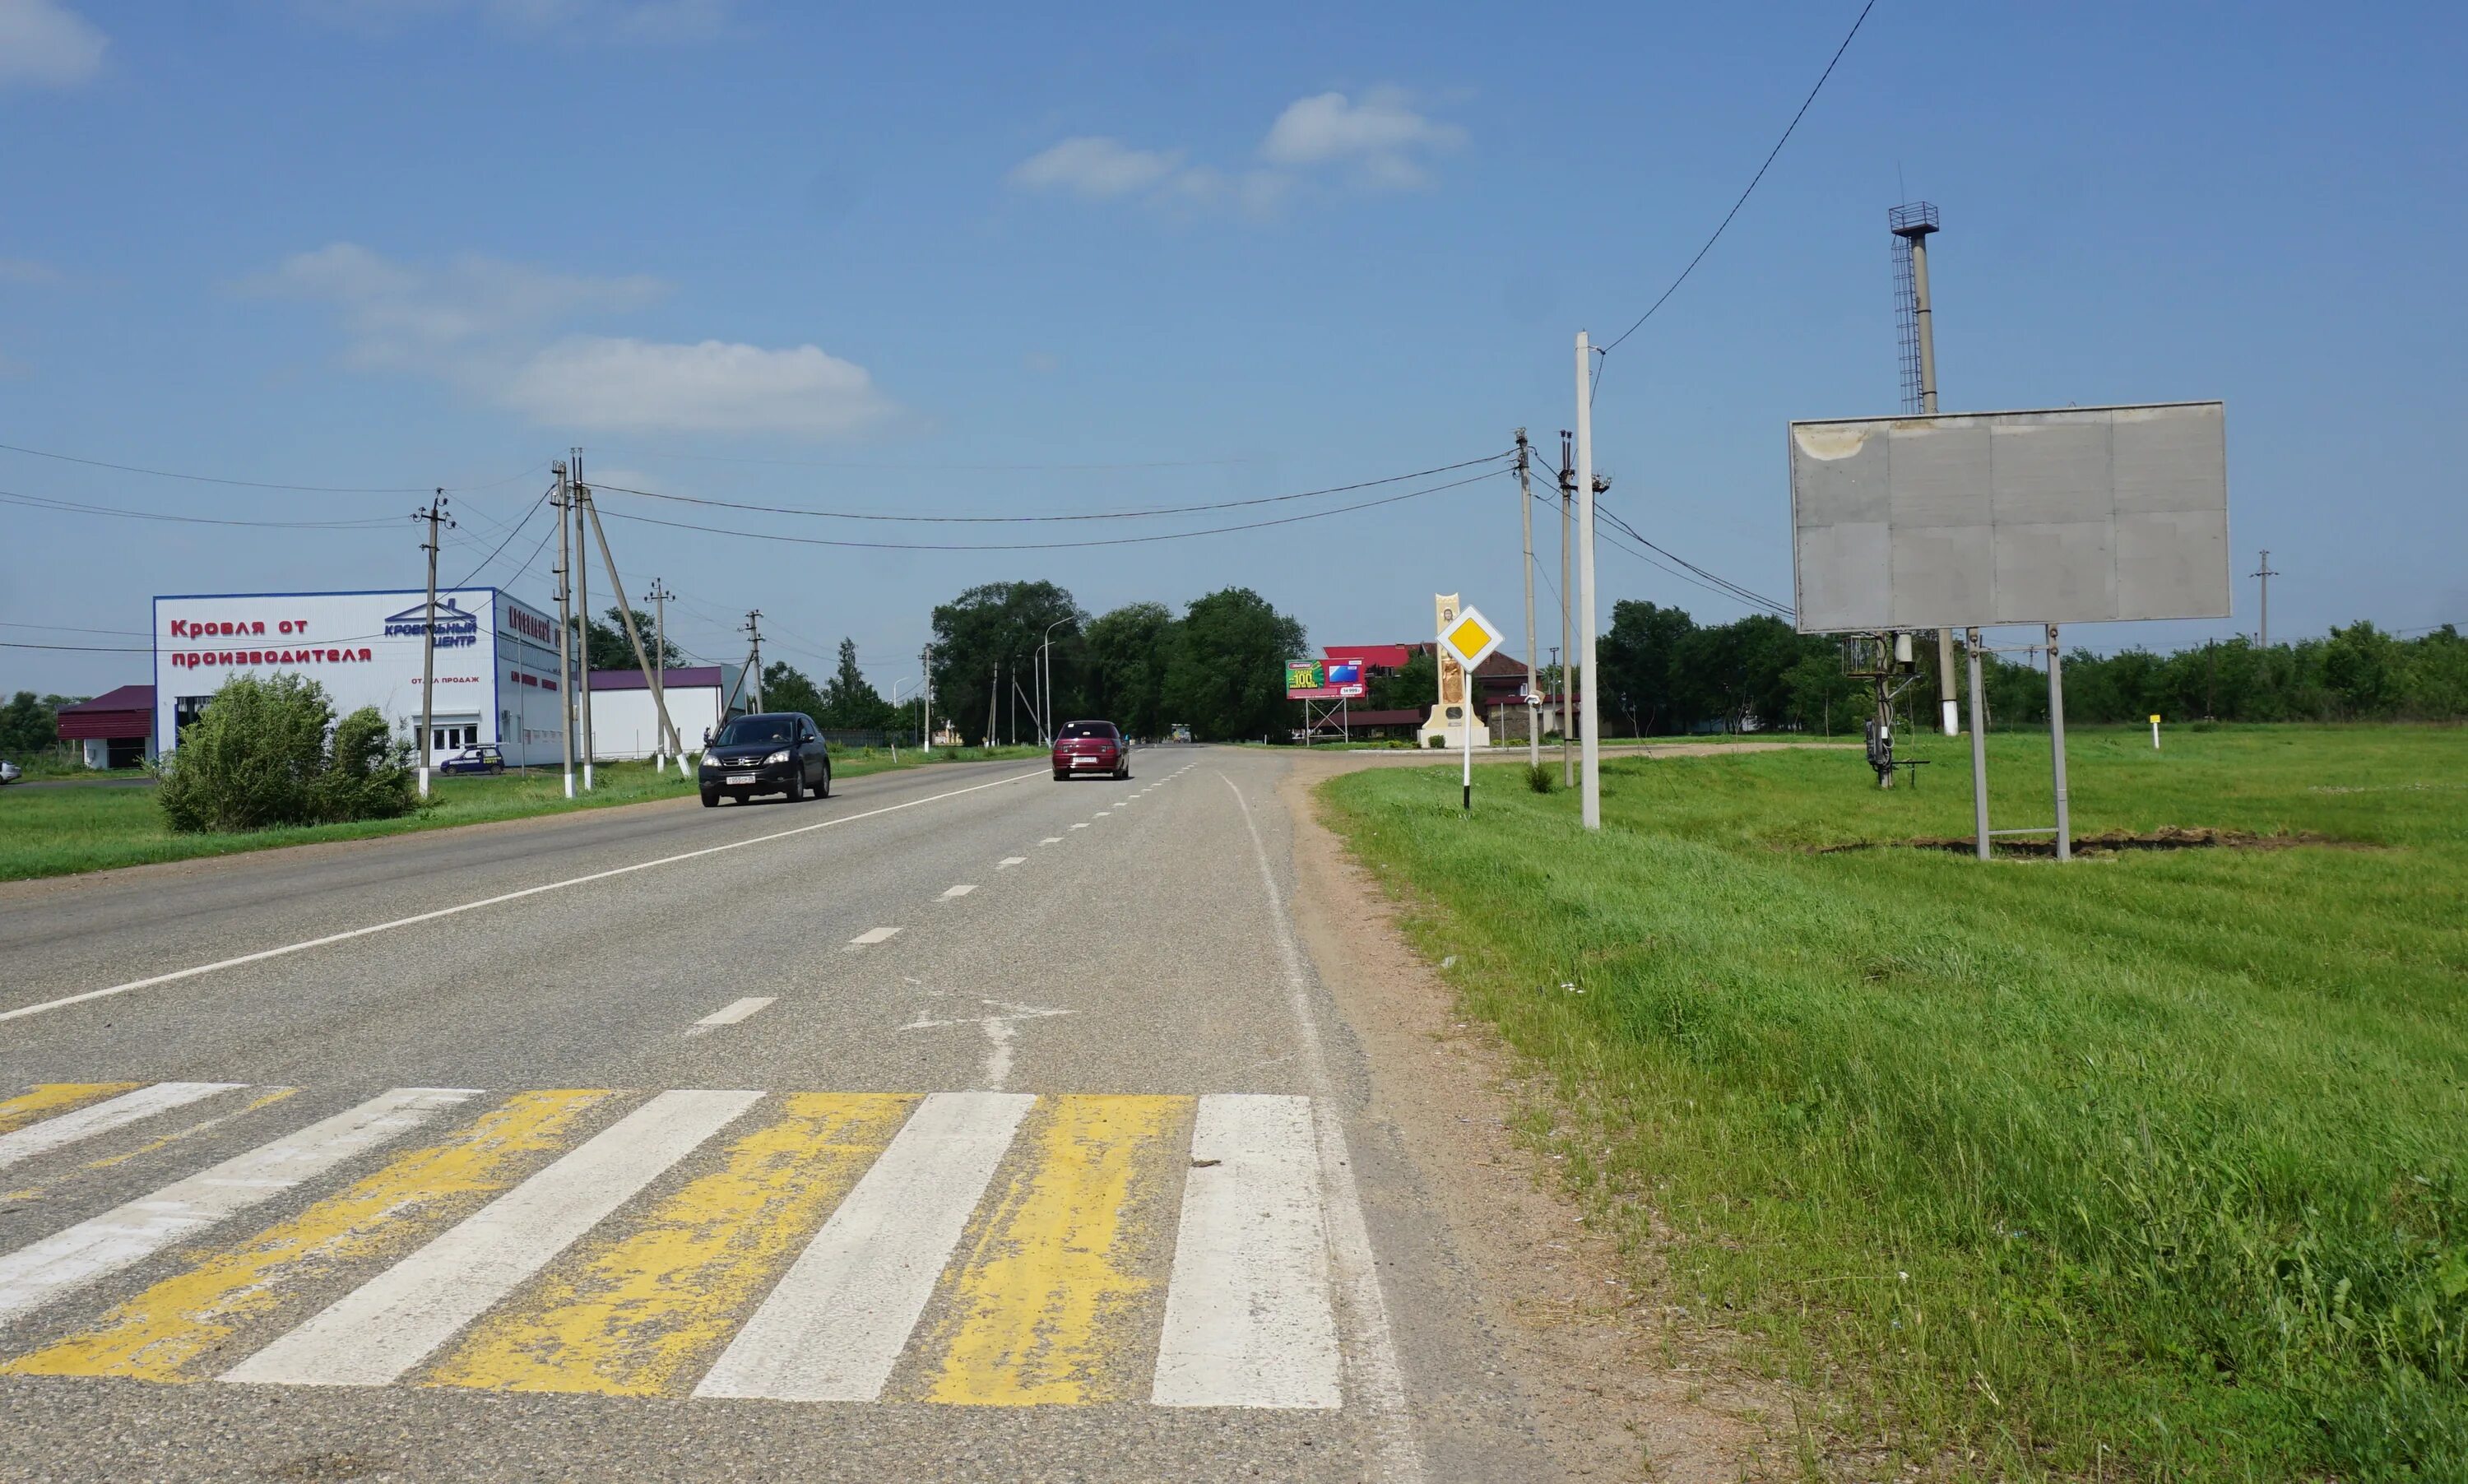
<point x="1470" y="639"/>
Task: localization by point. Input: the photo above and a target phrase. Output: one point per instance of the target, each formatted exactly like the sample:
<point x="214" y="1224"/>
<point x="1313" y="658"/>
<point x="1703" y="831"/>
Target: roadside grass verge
<point x="2154" y="1166"/>
<point x="59" y="832"/>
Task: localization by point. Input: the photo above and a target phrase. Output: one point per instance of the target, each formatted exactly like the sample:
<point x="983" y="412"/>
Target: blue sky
<point x="1003" y="261"/>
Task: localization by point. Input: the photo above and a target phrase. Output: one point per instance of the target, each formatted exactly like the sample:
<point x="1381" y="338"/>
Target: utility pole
<point x="652" y="678"/>
<point x="1525" y="519"/>
<point x="1914" y="223"/>
<point x="660" y="648"/>
<point x="1589" y="709"/>
<point x="993" y="704"/>
<point x="434" y="516"/>
<point x="925" y="703"/>
<point x="564" y="633"/>
<point x="754" y="655"/>
<point x="2262" y="640"/>
<point x="582" y="612"/>
<point x="1567" y="654"/>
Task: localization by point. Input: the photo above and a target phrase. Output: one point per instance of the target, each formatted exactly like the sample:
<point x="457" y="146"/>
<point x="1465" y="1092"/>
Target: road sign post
<point x="1469" y="639"/>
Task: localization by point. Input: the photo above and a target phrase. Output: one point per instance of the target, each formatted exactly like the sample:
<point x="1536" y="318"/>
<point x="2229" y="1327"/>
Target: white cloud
<point x="1379" y="136"/>
<point x="45" y="44"/>
<point x="1379" y="142"/>
<point x="595" y="382"/>
<point x="1094" y="167"/>
<point x="498" y="330"/>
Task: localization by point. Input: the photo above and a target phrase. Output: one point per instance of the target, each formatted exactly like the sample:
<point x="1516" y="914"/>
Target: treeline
<point x="1664" y="673"/>
<point x="1218" y="667"/>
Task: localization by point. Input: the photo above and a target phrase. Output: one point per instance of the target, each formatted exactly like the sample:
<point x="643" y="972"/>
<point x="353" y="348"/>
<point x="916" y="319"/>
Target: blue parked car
<point x="488" y="758"/>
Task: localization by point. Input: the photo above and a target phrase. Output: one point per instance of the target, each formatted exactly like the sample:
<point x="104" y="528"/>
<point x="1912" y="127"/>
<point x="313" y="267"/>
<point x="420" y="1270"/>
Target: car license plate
<point x="1083" y="762"/>
<point x="740" y="778"/>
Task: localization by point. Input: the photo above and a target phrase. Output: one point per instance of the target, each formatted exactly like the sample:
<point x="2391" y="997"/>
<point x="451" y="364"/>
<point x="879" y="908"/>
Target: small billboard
<point x="1333" y="679"/>
<point x="2064" y="515"/>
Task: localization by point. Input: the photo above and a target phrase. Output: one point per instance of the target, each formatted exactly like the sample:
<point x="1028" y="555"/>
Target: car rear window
<point x="1100" y="729"/>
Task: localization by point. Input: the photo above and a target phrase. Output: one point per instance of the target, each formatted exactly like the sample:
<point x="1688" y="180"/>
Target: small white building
<point x="626" y="724"/>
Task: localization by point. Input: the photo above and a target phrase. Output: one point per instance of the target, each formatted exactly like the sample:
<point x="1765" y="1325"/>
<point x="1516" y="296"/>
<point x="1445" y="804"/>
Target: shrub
<point x="1540" y="779"/>
<point x="268" y="753"/>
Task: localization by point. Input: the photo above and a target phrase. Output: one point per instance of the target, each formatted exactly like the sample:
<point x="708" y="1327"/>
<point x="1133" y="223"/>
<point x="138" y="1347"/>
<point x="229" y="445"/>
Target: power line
<point x="74" y="507"/>
<point x="511" y="531"/>
<point x="1746" y="594"/>
<point x="723" y="458"/>
<point x="1771" y="156"/>
<point x="1124" y="514"/>
<point x="254" y="484"/>
<point x="72" y="628"/>
<point x="1123" y="541"/>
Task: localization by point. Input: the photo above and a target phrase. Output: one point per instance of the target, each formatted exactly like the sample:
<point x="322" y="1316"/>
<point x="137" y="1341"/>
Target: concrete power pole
<point x="1914" y="223"/>
<point x="434" y="516"/>
<point x="2262" y="637"/>
<point x="659" y="596"/>
<point x="1525" y="520"/>
<point x="653" y="676"/>
<point x="754" y="655"/>
<point x="564" y="633"/>
<point x="1589" y="705"/>
<point x="1568" y="652"/>
<point x="925" y="703"/>
<point x="582" y="615"/>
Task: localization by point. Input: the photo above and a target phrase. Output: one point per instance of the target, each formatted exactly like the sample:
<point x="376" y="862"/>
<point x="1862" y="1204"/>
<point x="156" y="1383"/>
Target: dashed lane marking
<point x="1083" y="825"/>
<point x="872" y="936"/>
<point x="741" y="1010"/>
<point x="1051" y="839"/>
<point x="1009" y="861"/>
<point x="961" y="890"/>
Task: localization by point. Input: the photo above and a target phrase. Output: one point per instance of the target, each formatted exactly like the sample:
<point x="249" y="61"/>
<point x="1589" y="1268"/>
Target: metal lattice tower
<point x="1909" y="222"/>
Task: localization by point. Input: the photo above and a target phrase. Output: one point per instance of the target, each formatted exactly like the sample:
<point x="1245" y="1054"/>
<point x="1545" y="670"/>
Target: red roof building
<point x="117" y="727"/>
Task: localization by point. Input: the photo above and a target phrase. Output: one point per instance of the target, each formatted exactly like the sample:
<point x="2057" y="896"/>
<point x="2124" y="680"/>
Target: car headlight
<point x="781" y="756"/>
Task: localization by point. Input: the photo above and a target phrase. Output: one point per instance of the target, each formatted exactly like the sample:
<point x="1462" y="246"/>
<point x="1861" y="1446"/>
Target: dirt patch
<point x="1620" y="1381"/>
<point x="2109" y="842"/>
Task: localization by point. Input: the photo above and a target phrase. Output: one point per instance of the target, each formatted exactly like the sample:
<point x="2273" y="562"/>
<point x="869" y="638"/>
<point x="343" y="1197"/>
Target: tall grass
<point x="2153" y="1166"/>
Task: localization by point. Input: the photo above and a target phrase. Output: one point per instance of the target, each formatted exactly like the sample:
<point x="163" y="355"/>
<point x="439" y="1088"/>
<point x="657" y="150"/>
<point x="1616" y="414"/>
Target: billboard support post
<point x="1978" y="746"/>
<point x="2057" y="744"/>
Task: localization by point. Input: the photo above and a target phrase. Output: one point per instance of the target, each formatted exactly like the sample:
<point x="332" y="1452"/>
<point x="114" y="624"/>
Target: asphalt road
<point x="963" y="1126"/>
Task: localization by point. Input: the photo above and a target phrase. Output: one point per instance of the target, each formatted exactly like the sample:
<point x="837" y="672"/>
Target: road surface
<point x="963" y="1126"/>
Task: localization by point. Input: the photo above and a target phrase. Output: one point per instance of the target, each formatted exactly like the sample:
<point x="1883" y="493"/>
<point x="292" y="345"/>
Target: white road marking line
<point x="1051" y="839"/>
<point x="835" y="1325"/>
<point x="1009" y="861"/>
<point x="1083" y="825"/>
<point x="961" y="890"/>
<point x="1247" y="1317"/>
<point x="397" y="1319"/>
<point x="999" y="1030"/>
<point x="1378" y="1379"/>
<point x="873" y="935"/>
<point x="743" y="1010"/>
<point x="69" y="1260"/>
<point x="102" y="1117"/>
<point x="486" y="901"/>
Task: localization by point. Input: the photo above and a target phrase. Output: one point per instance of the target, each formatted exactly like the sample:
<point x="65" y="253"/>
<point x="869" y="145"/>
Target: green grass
<point x="2148" y="1166"/>
<point x="58" y="832"/>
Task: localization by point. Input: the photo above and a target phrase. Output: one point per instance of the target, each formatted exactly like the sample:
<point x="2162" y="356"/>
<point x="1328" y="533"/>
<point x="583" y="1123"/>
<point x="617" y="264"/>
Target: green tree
<point x="268" y="752"/>
<point x="850" y="702"/>
<point x="1413" y="685"/>
<point x="1641" y="664"/>
<point x="1128" y="653"/>
<point x="608" y="648"/>
<point x="1002" y="625"/>
<point x="1227" y="675"/>
<point x="785" y="688"/>
<point x="30" y="725"/>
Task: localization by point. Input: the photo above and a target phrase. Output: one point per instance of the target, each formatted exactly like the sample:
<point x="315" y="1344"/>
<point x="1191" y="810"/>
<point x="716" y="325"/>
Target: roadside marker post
<point x="1470" y="640"/>
<point x="2155" y="731"/>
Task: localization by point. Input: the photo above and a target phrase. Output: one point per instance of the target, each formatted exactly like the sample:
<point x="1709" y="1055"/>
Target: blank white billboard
<point x="2069" y="516"/>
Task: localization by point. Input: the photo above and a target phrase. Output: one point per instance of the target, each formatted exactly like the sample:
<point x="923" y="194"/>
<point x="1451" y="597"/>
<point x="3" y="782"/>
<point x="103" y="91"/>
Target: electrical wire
<point x="723" y="458"/>
<point x="254" y="484"/>
<point x="1771" y="156"/>
<point x="1125" y="514"/>
<point x="1746" y="594"/>
<point x="72" y="628"/>
<point x="75" y="507"/>
<point x="1121" y="540"/>
<point x="511" y="531"/>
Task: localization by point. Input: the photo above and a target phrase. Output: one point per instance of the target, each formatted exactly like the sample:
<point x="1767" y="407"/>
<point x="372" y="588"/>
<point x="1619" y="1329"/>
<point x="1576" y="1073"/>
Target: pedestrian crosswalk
<point x="966" y="1249"/>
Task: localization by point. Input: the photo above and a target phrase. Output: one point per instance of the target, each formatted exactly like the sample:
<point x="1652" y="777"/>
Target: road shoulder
<point x="1619" y="1382"/>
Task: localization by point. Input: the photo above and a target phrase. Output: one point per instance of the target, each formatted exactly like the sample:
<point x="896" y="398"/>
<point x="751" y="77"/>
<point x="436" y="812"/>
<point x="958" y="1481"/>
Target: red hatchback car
<point x="1091" y="749"/>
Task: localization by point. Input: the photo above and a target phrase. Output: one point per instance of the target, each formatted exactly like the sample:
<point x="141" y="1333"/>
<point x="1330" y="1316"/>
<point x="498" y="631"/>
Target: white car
<point x="8" y="771"/>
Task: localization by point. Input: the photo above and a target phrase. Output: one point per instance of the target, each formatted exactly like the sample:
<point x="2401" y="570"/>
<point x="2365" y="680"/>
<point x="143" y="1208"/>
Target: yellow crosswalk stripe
<point x="1046" y="1306"/>
<point x="266" y="1099"/>
<point x="644" y="1311"/>
<point x="162" y="1334"/>
<point x="46" y="1098"/>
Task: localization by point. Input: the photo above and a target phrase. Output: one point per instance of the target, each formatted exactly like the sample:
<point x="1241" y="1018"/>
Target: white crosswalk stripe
<point x="35" y="1275"/>
<point x="86" y="1123"/>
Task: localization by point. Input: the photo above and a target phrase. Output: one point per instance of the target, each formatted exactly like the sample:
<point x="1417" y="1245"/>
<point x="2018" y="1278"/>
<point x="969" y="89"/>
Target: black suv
<point x="772" y="752"/>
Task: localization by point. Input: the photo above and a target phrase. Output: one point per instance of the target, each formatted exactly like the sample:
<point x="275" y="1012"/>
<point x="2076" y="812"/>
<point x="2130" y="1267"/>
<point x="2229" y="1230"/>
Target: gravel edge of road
<point x="1620" y="1387"/>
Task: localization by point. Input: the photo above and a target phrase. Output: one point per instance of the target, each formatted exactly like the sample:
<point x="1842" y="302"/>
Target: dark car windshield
<point x="755" y="729"/>
<point x="1101" y="729"/>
